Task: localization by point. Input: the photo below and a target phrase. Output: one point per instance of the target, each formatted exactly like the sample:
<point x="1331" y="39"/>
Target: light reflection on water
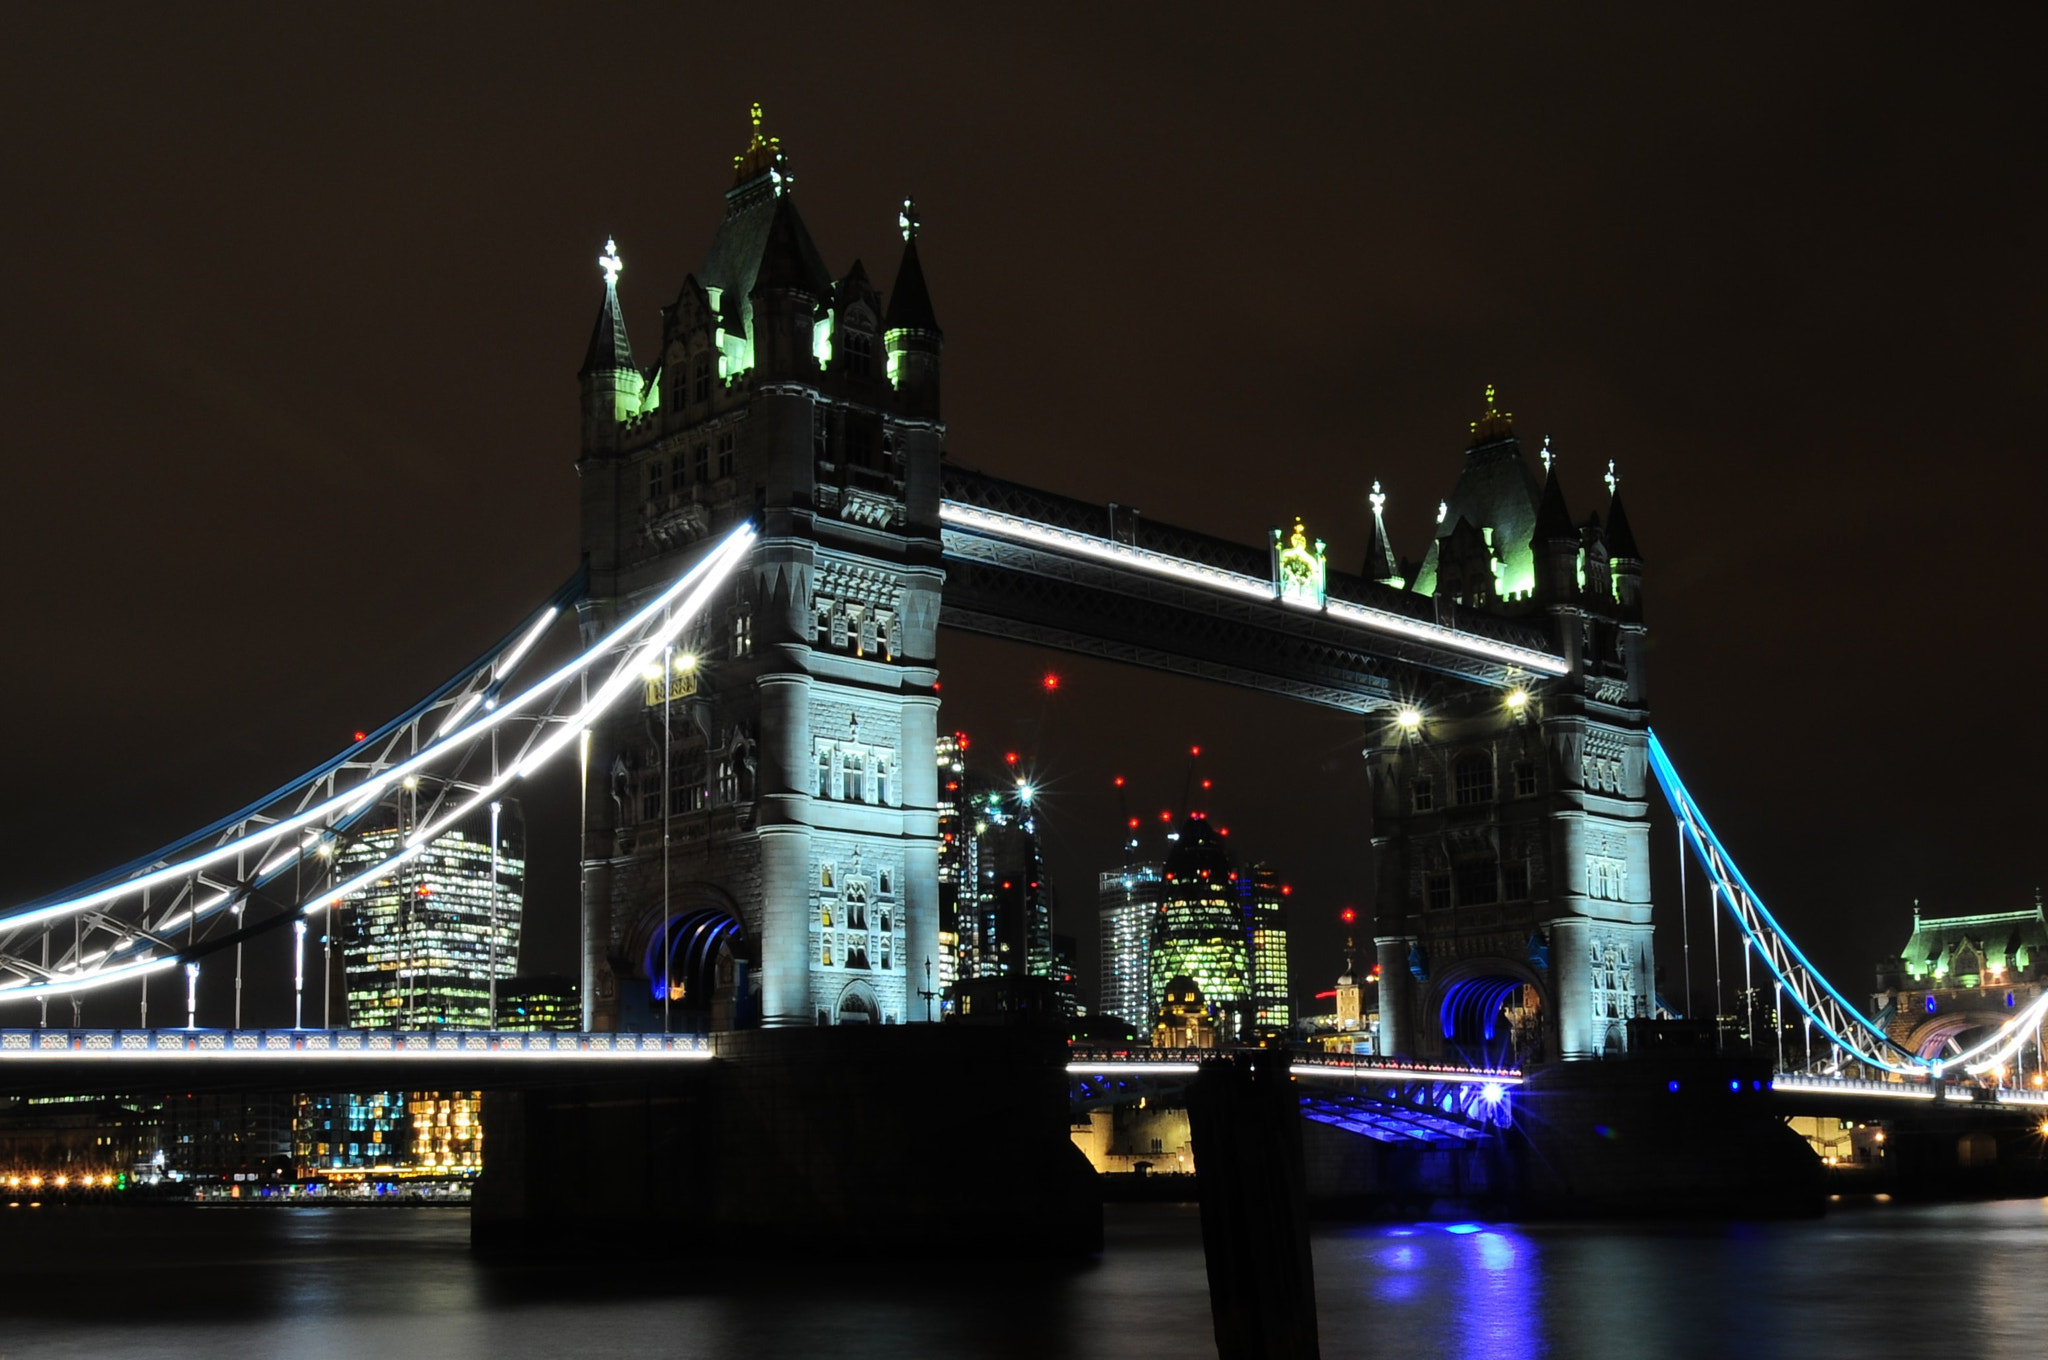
<point x="392" y="1283"/>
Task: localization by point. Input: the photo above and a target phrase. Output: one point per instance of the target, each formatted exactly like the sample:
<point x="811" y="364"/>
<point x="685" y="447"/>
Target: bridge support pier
<point x="799" y="1135"/>
<point x="1245" y="1116"/>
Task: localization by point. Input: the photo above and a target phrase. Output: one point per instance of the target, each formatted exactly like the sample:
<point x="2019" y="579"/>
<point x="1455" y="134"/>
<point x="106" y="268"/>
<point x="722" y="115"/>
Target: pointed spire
<point x="910" y="303"/>
<point x="1379" y="556"/>
<point x="610" y="351"/>
<point x="1621" y="540"/>
<point x="789" y="259"/>
<point x="1553" y="520"/>
<point x="1493" y="423"/>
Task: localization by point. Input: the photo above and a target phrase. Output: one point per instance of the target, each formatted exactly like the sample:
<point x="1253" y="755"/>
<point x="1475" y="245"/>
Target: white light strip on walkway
<point x="674" y="1048"/>
<point x="1463" y="1078"/>
<point x="1020" y="530"/>
<point x="1147" y="1067"/>
<point x="1824" y="1086"/>
<point x="376" y="784"/>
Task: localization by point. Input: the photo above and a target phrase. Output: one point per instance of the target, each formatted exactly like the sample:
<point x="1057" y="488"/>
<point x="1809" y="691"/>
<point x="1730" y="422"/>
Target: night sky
<point x="293" y="306"/>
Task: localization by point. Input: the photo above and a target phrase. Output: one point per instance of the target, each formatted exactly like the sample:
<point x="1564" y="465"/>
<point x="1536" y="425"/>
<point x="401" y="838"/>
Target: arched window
<point x="1472" y="779"/>
<point x="882" y="795"/>
<point x="860" y="351"/>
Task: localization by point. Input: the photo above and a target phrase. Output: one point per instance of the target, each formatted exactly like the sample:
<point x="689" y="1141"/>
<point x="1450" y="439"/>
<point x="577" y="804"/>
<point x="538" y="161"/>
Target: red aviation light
<point x="961" y="737"/>
<point x="1348" y="915"/>
<point x="1166" y="816"/>
<point x="1223" y="831"/>
<point x="1010" y="757"/>
<point x="1134" y="823"/>
<point x="362" y="736"/>
<point x="1119" y="781"/>
<point x="1208" y="784"/>
<point x="1051" y="683"/>
<point x="1194" y="750"/>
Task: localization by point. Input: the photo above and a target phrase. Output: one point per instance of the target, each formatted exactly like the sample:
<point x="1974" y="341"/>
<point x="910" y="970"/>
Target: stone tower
<point x="761" y="838"/>
<point x="1511" y="830"/>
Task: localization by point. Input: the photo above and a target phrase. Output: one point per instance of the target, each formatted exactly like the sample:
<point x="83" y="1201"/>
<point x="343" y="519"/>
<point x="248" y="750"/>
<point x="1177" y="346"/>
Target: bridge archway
<point x="697" y="957"/>
<point x="1491" y="1013"/>
<point x="1943" y="1034"/>
<point x="858" y="1005"/>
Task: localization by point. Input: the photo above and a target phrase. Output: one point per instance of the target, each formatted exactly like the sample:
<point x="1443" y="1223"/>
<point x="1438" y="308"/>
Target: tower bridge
<point x="773" y="539"/>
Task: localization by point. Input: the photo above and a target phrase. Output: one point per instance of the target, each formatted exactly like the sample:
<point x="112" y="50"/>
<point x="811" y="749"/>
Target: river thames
<point x="384" y="1284"/>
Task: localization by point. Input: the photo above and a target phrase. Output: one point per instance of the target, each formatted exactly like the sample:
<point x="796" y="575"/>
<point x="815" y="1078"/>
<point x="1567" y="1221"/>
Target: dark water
<point x="1969" y="1280"/>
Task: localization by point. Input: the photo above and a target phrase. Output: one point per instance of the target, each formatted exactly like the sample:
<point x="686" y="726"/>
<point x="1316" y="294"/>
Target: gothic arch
<point x="1466" y="1009"/>
<point x="857" y="1005"/>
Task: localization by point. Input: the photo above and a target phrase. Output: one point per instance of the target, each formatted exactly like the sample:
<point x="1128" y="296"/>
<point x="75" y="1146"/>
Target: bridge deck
<point x="1037" y="567"/>
<point x="100" y="1060"/>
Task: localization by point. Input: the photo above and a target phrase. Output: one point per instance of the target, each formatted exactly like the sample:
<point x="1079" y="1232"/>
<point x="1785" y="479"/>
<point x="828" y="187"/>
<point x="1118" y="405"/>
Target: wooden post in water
<point x="1245" y="1118"/>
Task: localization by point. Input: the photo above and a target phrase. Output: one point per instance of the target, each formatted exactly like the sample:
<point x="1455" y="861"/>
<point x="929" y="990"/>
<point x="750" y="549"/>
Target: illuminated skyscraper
<point x="1200" y="931"/>
<point x="420" y="947"/>
<point x="543" y="1003"/>
<point x="1127" y="900"/>
<point x="1264" y="899"/>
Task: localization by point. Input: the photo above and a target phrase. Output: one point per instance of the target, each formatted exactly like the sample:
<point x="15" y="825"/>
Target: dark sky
<point x="293" y="306"/>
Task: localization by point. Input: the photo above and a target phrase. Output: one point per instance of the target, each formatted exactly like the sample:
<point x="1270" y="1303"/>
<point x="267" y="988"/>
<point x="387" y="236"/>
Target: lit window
<point x="1525" y="779"/>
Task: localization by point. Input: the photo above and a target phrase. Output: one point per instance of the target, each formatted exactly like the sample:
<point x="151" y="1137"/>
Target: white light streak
<point x="1018" y="529"/>
<point x="367" y="792"/>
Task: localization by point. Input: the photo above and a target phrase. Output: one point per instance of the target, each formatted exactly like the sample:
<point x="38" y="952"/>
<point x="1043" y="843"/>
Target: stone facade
<point x="777" y="796"/>
<point x="1511" y="831"/>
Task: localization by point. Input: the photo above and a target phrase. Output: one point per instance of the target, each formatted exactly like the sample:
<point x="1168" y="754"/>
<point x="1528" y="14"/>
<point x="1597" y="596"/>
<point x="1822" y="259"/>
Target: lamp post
<point x="927" y="993"/>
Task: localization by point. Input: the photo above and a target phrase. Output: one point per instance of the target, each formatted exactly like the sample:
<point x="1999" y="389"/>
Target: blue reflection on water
<point x="1498" y="1314"/>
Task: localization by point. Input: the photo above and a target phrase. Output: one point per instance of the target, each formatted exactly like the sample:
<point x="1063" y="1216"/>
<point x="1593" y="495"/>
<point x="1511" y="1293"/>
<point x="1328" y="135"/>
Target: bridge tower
<point x="1511" y="831"/>
<point x="761" y="835"/>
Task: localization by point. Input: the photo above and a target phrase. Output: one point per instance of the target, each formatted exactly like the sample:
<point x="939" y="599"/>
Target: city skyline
<point x="1770" y="362"/>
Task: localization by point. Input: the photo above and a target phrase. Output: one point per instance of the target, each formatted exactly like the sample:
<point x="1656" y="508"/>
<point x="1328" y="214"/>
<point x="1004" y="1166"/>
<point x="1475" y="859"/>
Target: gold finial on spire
<point x="762" y="153"/>
<point x="1494" y="423"/>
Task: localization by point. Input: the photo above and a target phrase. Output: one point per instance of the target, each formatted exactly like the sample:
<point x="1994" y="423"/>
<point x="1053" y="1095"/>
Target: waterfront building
<point x="1186" y="1018"/>
<point x="1127" y="899"/>
<point x="1961" y="977"/>
<point x="421" y="946"/>
<point x="349" y="1131"/>
<point x="541" y="1002"/>
<point x="1199" y="932"/>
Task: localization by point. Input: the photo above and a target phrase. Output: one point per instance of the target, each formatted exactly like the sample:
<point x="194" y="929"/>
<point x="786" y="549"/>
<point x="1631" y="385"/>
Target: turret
<point x="911" y="330"/>
<point x="1556" y="542"/>
<point x="788" y="294"/>
<point x="610" y="379"/>
<point x="1625" y="560"/>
